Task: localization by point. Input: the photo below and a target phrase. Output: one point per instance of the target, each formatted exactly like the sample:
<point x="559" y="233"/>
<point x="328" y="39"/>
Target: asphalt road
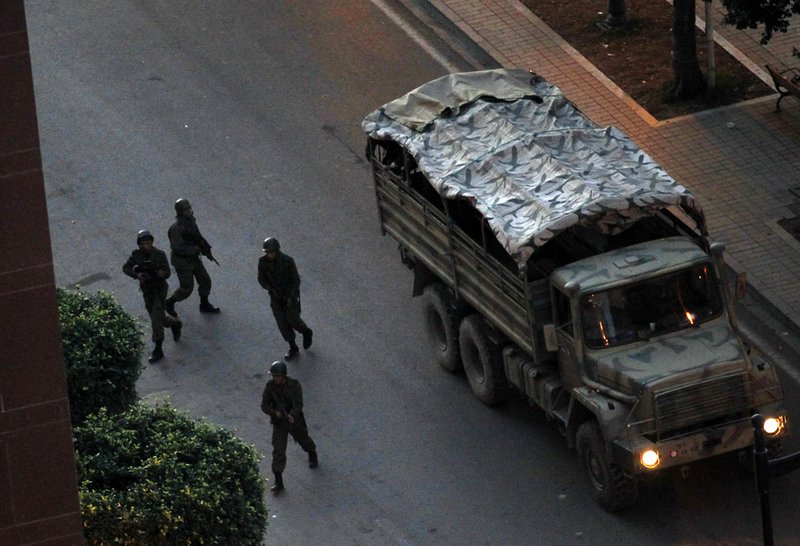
<point x="252" y="110"/>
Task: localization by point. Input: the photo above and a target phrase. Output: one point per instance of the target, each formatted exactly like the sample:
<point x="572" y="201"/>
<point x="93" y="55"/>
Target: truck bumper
<point x="685" y="449"/>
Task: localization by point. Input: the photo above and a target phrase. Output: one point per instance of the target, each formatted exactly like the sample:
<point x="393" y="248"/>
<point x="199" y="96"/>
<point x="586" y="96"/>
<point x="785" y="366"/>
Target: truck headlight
<point x="774" y="425"/>
<point x="649" y="458"/>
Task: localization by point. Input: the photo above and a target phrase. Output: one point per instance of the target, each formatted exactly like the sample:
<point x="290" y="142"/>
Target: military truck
<point x="557" y="259"/>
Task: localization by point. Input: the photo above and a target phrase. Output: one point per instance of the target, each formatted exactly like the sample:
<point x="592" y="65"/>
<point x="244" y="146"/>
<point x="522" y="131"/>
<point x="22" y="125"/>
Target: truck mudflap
<point x="685" y="449"/>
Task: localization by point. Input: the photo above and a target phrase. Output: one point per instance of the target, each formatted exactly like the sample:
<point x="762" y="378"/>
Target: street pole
<point x="762" y="477"/>
<point x="711" y="73"/>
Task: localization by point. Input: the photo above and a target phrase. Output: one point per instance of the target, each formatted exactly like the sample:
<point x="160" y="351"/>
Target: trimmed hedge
<point x="103" y="347"/>
<point x="152" y="476"/>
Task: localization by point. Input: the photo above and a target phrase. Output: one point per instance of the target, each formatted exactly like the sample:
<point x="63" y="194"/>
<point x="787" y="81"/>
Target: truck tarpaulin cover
<point x="526" y="157"/>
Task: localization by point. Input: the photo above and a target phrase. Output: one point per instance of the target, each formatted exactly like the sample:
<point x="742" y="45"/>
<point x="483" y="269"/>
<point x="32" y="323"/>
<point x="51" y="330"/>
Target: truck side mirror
<point x="741" y="285"/>
<point x="550" y="339"/>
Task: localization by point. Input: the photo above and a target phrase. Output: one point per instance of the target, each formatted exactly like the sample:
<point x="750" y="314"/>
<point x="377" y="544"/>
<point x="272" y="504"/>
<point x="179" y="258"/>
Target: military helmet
<point x="182" y="204"/>
<point x="271" y="243"/>
<point x="278" y="368"/>
<point x="143" y="234"/>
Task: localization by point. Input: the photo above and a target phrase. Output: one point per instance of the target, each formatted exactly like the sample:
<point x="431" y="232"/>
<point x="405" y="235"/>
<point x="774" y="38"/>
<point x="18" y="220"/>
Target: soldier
<point x="187" y="246"/>
<point x="282" y="400"/>
<point x="149" y="266"/>
<point x="277" y="274"/>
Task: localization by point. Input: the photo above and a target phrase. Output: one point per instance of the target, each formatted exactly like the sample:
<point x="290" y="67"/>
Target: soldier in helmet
<point x="187" y="246"/>
<point x="149" y="266"/>
<point x="282" y="400"/>
<point x="277" y="274"/>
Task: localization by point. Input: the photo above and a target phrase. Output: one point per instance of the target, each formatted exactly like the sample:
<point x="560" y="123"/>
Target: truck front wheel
<point x="441" y="323"/>
<point x="610" y="487"/>
<point x="483" y="362"/>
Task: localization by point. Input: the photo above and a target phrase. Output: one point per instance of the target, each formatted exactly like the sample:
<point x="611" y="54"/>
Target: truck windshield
<point x="652" y="307"/>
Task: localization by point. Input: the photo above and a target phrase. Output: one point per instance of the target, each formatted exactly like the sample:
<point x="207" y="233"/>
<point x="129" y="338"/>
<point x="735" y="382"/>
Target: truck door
<point x="565" y="332"/>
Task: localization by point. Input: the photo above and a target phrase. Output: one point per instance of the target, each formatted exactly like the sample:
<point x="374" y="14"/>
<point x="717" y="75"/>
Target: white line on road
<point x="414" y="35"/>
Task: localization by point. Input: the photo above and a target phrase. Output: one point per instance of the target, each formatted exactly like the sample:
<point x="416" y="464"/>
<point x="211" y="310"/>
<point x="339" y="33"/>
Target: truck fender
<point x="587" y="404"/>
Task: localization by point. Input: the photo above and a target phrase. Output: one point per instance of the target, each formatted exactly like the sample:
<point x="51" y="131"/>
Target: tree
<point x="154" y="477"/>
<point x="774" y="15"/>
<point x="148" y="476"/>
<point x="616" y="13"/>
<point x="689" y="81"/>
<point x="102" y="346"/>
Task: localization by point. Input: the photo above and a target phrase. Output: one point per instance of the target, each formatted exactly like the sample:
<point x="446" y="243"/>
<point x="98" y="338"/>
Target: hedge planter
<point x="103" y="347"/>
<point x="152" y="476"/>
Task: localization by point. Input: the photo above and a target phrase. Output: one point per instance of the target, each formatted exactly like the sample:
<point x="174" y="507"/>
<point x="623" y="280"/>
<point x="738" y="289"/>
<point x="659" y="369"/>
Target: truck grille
<point x="701" y="402"/>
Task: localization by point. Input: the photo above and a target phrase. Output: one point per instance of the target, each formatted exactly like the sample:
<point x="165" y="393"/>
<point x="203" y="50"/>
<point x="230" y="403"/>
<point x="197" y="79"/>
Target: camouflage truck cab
<point x="556" y="258"/>
<point x="652" y="322"/>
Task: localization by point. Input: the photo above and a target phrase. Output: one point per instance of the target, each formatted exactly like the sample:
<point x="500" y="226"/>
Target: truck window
<point x="563" y="313"/>
<point x="652" y="307"/>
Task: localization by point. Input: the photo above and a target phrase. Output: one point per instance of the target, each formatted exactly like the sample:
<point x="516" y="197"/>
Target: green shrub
<point x="103" y="347"/>
<point x="152" y="476"/>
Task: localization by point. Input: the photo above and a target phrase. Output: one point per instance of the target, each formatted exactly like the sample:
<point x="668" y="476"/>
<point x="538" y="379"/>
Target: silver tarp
<point x="526" y="157"/>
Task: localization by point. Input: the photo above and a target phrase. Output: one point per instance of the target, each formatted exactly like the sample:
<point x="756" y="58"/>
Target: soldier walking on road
<point x="277" y="274"/>
<point x="282" y="400"/>
<point x="149" y="266"/>
<point x="187" y="246"/>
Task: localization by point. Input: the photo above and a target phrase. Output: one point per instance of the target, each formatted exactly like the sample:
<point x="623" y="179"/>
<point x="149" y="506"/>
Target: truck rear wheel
<point x="483" y="362"/>
<point x="610" y="487"/>
<point x="441" y="323"/>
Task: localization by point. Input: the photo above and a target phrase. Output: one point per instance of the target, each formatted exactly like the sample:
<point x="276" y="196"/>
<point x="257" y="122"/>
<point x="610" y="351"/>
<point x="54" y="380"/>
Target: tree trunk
<point x="616" y="13"/>
<point x="689" y="81"/>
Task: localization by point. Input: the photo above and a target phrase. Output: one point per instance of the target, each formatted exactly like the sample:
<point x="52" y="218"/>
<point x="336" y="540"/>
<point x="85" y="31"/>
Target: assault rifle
<point x="205" y="248"/>
<point x="147" y="268"/>
<point x="282" y="408"/>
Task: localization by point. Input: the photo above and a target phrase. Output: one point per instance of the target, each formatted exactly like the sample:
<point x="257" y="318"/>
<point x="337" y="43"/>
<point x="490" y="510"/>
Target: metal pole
<point x="711" y="74"/>
<point x="762" y="477"/>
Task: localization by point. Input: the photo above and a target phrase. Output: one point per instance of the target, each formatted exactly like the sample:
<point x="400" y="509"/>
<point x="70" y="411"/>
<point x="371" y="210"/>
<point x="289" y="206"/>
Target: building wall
<point x="38" y="486"/>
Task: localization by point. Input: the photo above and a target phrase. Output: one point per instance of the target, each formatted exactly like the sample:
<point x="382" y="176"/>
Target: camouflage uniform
<point x="274" y="401"/>
<point x="154" y="288"/>
<point x="279" y="277"/>
<point x="187" y="245"/>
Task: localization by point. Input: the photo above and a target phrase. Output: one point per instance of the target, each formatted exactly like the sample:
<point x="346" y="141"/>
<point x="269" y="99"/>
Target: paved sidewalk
<point x="742" y="161"/>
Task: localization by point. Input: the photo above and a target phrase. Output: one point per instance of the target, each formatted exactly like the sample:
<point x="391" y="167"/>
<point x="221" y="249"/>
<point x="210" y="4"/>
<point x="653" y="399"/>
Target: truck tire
<point x="441" y="321"/>
<point x="610" y="487"/>
<point x="483" y="364"/>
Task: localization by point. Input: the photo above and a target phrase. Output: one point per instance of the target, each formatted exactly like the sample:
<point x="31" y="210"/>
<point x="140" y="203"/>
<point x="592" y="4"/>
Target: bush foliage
<point x="103" y="347"/>
<point x="152" y="476"/>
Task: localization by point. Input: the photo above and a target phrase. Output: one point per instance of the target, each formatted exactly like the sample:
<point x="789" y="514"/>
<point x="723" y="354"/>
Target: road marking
<point x="415" y="36"/>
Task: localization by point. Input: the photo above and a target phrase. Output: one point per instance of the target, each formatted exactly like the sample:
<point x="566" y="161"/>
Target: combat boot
<point x="313" y="461"/>
<point x="293" y="350"/>
<point x="307" y="338"/>
<point x="277" y="487"/>
<point x="176" y="331"/>
<point x="169" y="306"/>
<point x="157" y="355"/>
<point x="206" y="307"/>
